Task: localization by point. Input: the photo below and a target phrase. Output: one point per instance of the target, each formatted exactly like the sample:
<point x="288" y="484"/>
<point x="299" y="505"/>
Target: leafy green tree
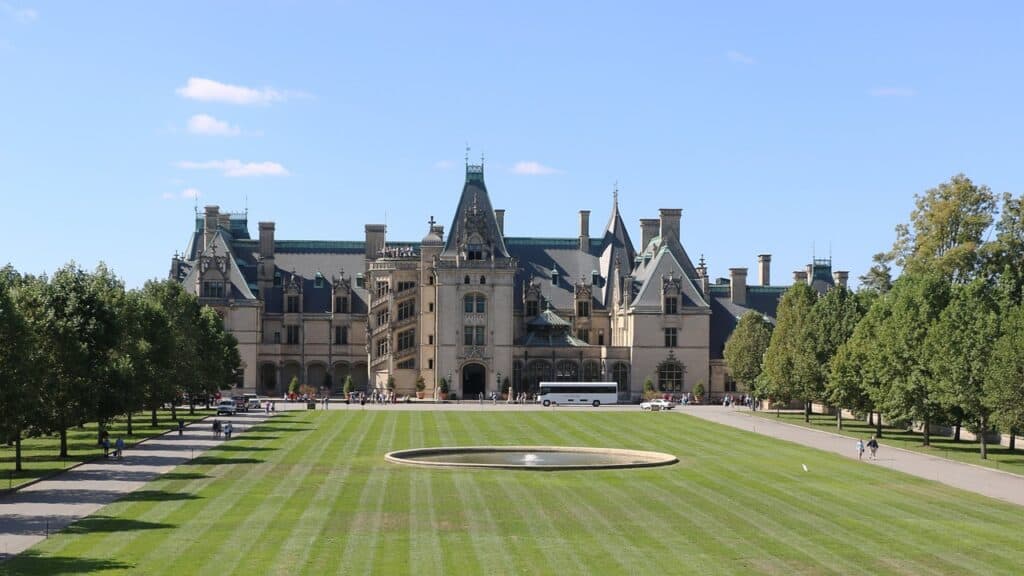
<point x="878" y="278"/>
<point x="789" y="364"/>
<point x="745" y="349"/>
<point x="832" y="321"/>
<point x="959" y="347"/>
<point x="856" y="380"/>
<point x="946" y="230"/>
<point x="217" y="354"/>
<point x="16" y="398"/>
<point x="1004" y="388"/>
<point x="347" y="387"/>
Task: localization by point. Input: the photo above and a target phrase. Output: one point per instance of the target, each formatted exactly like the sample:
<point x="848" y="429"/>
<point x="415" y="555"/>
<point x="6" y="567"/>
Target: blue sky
<point x="776" y="127"/>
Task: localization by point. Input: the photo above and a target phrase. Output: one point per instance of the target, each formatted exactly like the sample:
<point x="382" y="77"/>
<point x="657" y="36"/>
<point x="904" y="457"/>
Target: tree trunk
<point x="191" y="406"/>
<point x="174" y="411"/>
<point x="839" y="418"/>
<point x="152" y="418"/>
<point x="63" y="443"/>
<point x="926" y="436"/>
<point x="871" y="417"/>
<point x="982" y="429"/>
<point x="1013" y="439"/>
<point x="17" y="451"/>
<point x="878" y="425"/>
<point x="807" y="411"/>
<point x="129" y="431"/>
<point x="956" y="431"/>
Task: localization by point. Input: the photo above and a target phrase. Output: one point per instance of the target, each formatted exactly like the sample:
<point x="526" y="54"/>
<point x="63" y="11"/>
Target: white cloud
<point x="237" y="168"/>
<point x="23" y="15"/>
<point x="210" y="126"/>
<point x="530" y="168"/>
<point x="190" y="193"/>
<point x="206" y="90"/>
<point x="740" y="57"/>
<point x="892" y="92"/>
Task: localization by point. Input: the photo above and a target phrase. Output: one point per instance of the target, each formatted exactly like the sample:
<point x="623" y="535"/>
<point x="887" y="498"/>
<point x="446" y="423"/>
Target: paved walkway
<point x="985" y="481"/>
<point x="30" y="514"/>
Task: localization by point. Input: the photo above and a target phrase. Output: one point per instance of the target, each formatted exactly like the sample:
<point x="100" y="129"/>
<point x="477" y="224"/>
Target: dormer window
<point x="277" y="279"/>
<point x="554" y="277"/>
<point x="319" y="281"/>
<point x="292" y="304"/>
<point x="474" y="252"/>
<point x="671" y="305"/>
<point x="595" y="278"/>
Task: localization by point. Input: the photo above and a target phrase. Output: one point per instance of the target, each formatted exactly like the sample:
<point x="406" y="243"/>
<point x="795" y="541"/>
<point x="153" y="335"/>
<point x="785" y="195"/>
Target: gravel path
<point x="30" y="514"/>
<point x="1004" y="486"/>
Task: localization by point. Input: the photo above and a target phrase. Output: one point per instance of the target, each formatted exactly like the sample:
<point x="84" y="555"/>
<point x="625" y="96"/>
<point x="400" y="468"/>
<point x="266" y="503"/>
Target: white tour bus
<point x="578" y="393"/>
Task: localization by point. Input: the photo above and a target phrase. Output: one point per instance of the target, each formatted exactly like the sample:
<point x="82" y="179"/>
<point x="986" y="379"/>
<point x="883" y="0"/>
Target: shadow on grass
<point x="31" y="563"/>
<point x="94" y="524"/>
<point x="218" y="461"/>
<point x="183" y="476"/>
<point x="157" y="496"/>
<point x="283" y="428"/>
<point x="248" y="436"/>
<point x="242" y="447"/>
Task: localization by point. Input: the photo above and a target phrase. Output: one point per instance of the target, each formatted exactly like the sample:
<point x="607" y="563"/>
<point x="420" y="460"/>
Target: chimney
<point x="799" y="277"/>
<point x="585" y="230"/>
<point x="209" y="225"/>
<point x="266" y="240"/>
<point x="764" y="269"/>
<point x="810" y="273"/>
<point x="648" y="230"/>
<point x="738" y="285"/>
<point x="374" y="240"/>
<point x="670" y="225"/>
<point x="840" y="278"/>
<point x="499" y="216"/>
<point x="175" y="266"/>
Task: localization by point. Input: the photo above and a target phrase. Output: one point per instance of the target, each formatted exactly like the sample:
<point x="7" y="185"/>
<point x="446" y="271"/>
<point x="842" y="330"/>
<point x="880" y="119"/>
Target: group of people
<point x="270" y="406"/>
<point x="224" y="428"/>
<point x="104" y="441"/>
<point x="872" y="445"/>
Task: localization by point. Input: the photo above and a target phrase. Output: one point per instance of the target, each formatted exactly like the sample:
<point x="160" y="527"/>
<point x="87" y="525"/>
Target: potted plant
<point x="420" y="387"/>
<point x="293" y="387"/>
<point x="649" y="389"/>
<point x="442" y="389"/>
<point x="347" y="388"/>
<point x="698" y="392"/>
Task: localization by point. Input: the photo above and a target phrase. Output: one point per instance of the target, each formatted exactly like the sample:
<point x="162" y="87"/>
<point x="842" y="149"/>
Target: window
<point x="319" y="281"/>
<point x="406" y="339"/>
<point x="531" y="307"/>
<point x="293" y="334"/>
<point x="595" y="277"/>
<point x="671" y="337"/>
<point x="382" y="346"/>
<point x="341" y="304"/>
<point x="620" y="373"/>
<point x="430" y="279"/>
<point x="360" y="280"/>
<point x="406" y="309"/>
<point x="383" y="289"/>
<point x="583" y="334"/>
<point x="474" y="302"/>
<point x="407" y="364"/>
<point x="583" y="309"/>
<point x="430" y="363"/>
<point x="483" y="280"/>
<point x="474" y="252"/>
<point x="277" y="279"/>
<point x="600" y="337"/>
<point x="430" y="307"/>
<point x="465" y="280"/>
<point x="409" y="285"/>
<point x="730" y="385"/>
<point x="671" y="305"/>
<point x="554" y="277"/>
<point x="293" y="304"/>
<point x="430" y="339"/>
<point x="670" y="377"/>
<point x="277" y="337"/>
<point x="383" y="317"/>
<point x="341" y="335"/>
<point x="473" y="336"/>
<point x="213" y="289"/>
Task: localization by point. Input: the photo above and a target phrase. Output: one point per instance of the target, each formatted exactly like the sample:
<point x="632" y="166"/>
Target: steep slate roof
<point x="725" y="313"/>
<point x="539" y="256"/>
<point x="648" y="277"/>
<point x="219" y="245"/>
<point x="616" y="248"/>
<point x="475" y="204"/>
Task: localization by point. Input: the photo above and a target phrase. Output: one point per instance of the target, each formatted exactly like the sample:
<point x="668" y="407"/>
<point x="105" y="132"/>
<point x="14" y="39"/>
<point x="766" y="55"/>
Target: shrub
<point x="347" y="386"/>
<point x="293" y="386"/>
<point x="420" y="384"/>
<point x="442" y="385"/>
<point x="698" y="390"/>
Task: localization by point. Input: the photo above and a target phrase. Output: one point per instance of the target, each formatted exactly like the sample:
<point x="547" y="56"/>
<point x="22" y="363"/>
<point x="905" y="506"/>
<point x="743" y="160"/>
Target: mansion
<point x="479" y="309"/>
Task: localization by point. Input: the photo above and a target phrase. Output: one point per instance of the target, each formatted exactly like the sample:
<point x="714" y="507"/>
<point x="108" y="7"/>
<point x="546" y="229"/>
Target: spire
<point x="475" y="232"/>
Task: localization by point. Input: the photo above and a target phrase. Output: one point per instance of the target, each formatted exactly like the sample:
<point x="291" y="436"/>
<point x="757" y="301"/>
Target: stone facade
<point x="484" y="311"/>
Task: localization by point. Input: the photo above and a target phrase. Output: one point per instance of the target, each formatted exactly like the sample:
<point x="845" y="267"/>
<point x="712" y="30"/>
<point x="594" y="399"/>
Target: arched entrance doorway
<point x="474" y="380"/>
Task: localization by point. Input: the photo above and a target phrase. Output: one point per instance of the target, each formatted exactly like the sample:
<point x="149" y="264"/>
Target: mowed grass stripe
<point x="425" y="546"/>
<point x="261" y="523"/>
<point x="361" y="551"/>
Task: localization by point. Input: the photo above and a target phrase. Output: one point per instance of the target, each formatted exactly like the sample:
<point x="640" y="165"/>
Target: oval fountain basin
<point x="530" y="457"/>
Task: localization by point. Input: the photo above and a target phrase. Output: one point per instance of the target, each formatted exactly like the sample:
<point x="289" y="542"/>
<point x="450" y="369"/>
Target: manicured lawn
<point x="999" y="457"/>
<point x="39" y="455"/>
<point x="310" y="493"/>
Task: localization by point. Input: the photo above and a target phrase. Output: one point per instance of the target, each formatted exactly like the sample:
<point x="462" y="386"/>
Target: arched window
<point x="591" y="371"/>
<point x="620" y="373"/>
<point x="474" y="303"/>
<point x="567" y="371"/>
<point x="483" y="280"/>
<point x="670" y="376"/>
<point x="539" y="371"/>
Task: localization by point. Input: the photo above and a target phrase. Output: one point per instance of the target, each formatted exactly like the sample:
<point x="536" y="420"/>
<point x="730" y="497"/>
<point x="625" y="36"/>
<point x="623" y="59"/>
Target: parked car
<point x="657" y="404"/>
<point x="227" y="407"/>
<point x="252" y="401"/>
<point x="241" y="405"/>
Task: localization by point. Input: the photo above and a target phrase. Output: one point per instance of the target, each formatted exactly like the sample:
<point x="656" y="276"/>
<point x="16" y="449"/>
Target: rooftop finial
<point x="701" y="262"/>
<point x="615" y="194"/>
<point x="431" y="222"/>
<point x="467" y="153"/>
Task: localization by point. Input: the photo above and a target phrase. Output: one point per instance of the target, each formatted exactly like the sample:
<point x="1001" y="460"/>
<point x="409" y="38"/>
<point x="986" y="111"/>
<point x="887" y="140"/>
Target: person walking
<point x="860" y="449"/>
<point x="181" y="427"/>
<point x="119" y="448"/>
<point x="228" y="429"/>
<point x="873" y="446"/>
<point x="106" y="446"/>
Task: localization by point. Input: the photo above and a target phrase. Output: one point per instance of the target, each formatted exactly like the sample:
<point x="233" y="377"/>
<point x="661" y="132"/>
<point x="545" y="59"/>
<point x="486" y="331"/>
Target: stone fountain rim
<point x="653" y="458"/>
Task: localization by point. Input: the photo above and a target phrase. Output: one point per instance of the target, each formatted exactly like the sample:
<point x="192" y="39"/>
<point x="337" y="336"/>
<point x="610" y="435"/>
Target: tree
<point x="878" y="278"/>
<point x="855" y="380"/>
<point x="347" y="387"/>
<point x="789" y="370"/>
<point x="899" y="353"/>
<point x="648" y="387"/>
<point x="16" y="399"/>
<point x="959" y="347"/>
<point x="745" y="349"/>
<point x="1004" y="387"/>
<point x="946" y="230"/>
<point x="830" y="324"/>
<point x="698" y="390"/>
